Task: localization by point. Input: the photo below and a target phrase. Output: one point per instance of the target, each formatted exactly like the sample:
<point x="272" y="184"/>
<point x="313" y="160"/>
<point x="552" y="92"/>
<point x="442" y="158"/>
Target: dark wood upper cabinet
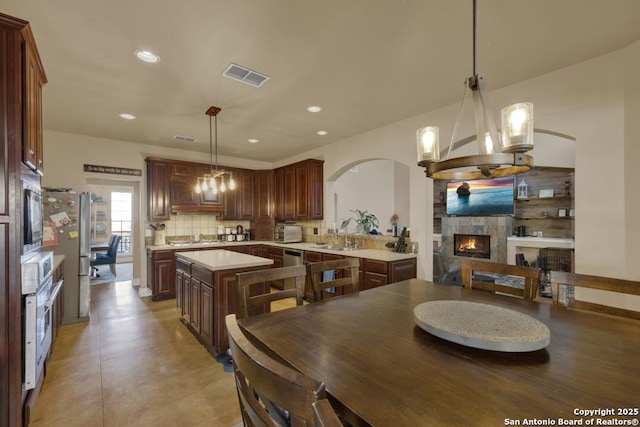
<point x="298" y="191"/>
<point x="239" y="203"/>
<point x="293" y="192"/>
<point x="158" y="174"/>
<point x="263" y="194"/>
<point x="32" y="147"/>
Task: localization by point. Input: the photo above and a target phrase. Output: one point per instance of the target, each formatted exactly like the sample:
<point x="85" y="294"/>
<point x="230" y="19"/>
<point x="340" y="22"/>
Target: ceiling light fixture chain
<point x="499" y="153"/>
<point x="209" y="181"/>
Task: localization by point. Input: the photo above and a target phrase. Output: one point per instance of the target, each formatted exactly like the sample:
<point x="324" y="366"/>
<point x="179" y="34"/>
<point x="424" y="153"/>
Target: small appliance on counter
<point x="283" y="233"/>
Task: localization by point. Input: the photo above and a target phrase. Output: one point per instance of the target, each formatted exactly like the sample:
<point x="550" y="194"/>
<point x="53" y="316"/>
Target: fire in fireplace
<point x="472" y="245"/>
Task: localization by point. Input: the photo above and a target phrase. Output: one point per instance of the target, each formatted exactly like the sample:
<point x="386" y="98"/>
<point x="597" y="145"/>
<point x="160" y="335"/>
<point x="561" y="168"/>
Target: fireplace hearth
<point x="472" y="245"/>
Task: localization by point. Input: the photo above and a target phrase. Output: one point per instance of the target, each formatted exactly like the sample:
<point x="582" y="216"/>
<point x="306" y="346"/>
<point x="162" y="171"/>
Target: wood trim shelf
<point x="527" y="199"/>
<point x="543" y="217"/>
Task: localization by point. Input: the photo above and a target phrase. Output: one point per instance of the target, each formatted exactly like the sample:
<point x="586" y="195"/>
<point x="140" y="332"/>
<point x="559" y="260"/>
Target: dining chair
<point x="349" y="281"/>
<point x="563" y="295"/>
<point x="252" y="304"/>
<point x="269" y="392"/>
<point x="324" y="414"/>
<point x="530" y="275"/>
<point x="109" y="258"/>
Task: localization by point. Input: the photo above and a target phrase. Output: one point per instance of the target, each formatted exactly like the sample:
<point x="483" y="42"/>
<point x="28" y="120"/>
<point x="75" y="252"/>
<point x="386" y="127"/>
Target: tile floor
<point x="134" y="364"/>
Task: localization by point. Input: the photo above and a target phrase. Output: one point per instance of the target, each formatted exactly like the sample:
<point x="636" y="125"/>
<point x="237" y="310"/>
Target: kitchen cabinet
<point x="263" y="194"/>
<point x="35" y="79"/>
<point x="182" y="189"/>
<point x="402" y="270"/>
<point x="380" y="273"/>
<point x="259" y="250"/>
<point x="22" y="76"/>
<point x="161" y="274"/>
<point x="239" y="203"/>
<point x="57" y="309"/>
<point x="373" y="273"/>
<point x="298" y="191"/>
<point x="276" y="254"/>
<point x="158" y="199"/>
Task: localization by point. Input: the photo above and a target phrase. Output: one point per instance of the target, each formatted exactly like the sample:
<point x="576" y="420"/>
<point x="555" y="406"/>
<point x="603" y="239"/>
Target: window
<point x="121" y="218"/>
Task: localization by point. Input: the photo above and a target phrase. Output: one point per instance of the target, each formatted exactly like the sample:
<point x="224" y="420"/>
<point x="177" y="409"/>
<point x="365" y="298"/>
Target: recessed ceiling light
<point x="314" y="109"/>
<point x="127" y="116"/>
<point x="253" y="141"/>
<point x="322" y="132"/>
<point x="146" y="56"/>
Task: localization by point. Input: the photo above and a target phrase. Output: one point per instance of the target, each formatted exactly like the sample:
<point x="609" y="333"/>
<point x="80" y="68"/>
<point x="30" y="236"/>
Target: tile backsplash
<point x="186" y="226"/>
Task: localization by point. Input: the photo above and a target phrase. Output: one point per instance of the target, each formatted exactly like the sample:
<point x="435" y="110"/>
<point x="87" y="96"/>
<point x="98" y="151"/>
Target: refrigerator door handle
<point x="84" y="267"/>
<point x="85" y="224"/>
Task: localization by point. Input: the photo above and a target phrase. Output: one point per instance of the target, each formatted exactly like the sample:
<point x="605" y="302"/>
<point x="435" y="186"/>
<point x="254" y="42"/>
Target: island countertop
<point x="220" y="259"/>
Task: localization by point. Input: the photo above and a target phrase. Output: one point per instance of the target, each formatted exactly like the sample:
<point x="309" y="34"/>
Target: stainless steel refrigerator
<point x="69" y="216"/>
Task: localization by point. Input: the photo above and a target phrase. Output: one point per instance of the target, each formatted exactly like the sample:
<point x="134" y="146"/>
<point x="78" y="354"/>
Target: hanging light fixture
<point x="209" y="181"/>
<point x="499" y="153"/>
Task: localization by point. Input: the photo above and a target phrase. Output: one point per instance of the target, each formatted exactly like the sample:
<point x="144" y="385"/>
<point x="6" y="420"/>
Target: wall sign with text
<point x="112" y="170"/>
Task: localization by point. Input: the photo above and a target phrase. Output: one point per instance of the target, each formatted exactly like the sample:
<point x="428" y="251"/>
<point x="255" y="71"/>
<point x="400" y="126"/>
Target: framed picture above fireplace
<point x="481" y="197"/>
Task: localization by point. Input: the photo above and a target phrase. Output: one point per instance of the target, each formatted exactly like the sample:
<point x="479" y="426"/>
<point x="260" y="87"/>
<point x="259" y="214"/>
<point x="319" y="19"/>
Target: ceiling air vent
<point x="245" y="75"/>
<point x="183" y="138"/>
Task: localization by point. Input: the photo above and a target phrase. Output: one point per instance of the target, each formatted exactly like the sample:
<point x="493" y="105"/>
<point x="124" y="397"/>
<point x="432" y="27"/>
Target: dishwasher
<point x="292" y="257"/>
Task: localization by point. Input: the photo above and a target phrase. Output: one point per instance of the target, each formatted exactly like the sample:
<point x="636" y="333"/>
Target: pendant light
<point x="499" y="153"/>
<point x="209" y="181"/>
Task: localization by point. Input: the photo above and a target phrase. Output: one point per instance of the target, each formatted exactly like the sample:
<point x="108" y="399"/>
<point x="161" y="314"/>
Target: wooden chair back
<point x="530" y="275"/>
<point x="250" y="304"/>
<point x="560" y="295"/>
<point x="324" y="414"/>
<point x="270" y="393"/>
<point x="349" y="281"/>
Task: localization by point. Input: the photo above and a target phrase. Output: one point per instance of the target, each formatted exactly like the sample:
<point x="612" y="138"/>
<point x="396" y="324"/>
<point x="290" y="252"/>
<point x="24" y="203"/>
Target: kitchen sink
<point x="333" y="248"/>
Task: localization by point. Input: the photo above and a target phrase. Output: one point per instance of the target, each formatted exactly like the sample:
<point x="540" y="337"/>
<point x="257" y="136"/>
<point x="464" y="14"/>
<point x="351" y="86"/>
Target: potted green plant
<point x="365" y="221"/>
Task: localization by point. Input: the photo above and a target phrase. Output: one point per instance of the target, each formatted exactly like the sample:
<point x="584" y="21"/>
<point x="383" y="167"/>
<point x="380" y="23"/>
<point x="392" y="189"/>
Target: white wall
<point x="586" y="101"/>
<point x="378" y="186"/>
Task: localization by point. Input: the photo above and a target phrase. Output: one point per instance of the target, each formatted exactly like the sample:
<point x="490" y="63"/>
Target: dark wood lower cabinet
<point x="207" y="298"/>
<point x="161" y="267"/>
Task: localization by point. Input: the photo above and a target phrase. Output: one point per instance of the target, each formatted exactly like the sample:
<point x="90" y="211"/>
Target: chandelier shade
<point x="209" y="181"/>
<point x="500" y="150"/>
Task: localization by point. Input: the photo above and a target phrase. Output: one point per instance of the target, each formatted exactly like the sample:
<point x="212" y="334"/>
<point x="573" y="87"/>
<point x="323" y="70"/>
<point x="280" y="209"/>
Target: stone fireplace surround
<point x="498" y="227"/>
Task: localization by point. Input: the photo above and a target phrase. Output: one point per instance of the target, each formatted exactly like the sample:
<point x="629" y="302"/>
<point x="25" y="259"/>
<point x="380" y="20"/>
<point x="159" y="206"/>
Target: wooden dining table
<point x="381" y="369"/>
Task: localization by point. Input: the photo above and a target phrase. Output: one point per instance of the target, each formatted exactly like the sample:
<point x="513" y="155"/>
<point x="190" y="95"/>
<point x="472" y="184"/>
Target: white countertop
<point x="57" y="260"/>
<point x="219" y="259"/>
<point x="375" y="254"/>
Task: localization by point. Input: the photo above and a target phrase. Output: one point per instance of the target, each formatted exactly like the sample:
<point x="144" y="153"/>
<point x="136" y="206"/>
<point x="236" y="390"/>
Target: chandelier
<point x="500" y="153"/>
<point x="209" y="181"/>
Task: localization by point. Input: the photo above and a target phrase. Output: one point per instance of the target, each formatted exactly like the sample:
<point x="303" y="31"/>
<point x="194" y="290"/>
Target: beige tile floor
<point x="134" y="364"/>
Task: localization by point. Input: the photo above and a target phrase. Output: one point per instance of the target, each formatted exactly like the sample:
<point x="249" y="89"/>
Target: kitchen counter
<point x="216" y="260"/>
<point x="57" y="260"/>
<point x="375" y="254"/>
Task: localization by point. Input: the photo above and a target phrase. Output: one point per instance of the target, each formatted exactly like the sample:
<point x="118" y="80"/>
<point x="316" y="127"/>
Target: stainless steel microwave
<point x="287" y="233"/>
<point x="32" y="220"/>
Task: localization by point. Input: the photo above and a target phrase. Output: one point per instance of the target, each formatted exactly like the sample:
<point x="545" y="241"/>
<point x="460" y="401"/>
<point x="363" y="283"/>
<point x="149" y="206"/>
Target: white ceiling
<point x="366" y="62"/>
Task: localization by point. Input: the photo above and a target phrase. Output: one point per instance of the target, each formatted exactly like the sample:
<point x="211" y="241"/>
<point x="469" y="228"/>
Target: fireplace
<point x="472" y="245"/>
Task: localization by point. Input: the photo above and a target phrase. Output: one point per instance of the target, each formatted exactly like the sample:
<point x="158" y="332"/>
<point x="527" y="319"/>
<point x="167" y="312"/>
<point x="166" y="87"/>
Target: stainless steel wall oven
<point x="38" y="292"/>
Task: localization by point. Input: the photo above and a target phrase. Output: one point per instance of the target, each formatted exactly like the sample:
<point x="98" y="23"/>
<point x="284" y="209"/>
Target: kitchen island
<point x="206" y="291"/>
